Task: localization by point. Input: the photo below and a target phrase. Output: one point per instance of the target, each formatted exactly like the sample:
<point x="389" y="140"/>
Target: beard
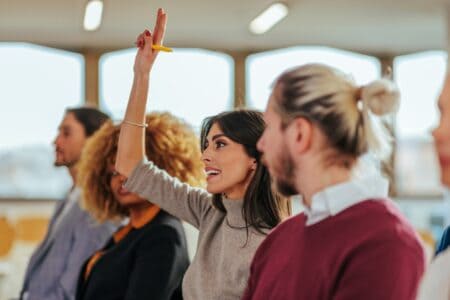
<point x="285" y="188"/>
<point x="59" y="164"/>
<point x="285" y="183"/>
<point x="64" y="162"/>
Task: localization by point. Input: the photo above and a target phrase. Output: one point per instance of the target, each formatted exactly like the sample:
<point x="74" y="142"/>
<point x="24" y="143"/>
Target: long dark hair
<point x="263" y="208"/>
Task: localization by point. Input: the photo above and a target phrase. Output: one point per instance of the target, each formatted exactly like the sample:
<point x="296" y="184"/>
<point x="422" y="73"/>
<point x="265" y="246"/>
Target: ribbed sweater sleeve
<point x="177" y="198"/>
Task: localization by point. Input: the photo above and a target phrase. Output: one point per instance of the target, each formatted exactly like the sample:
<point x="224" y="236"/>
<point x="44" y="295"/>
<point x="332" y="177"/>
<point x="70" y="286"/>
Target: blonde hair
<point x="341" y="109"/>
<point x="170" y="143"/>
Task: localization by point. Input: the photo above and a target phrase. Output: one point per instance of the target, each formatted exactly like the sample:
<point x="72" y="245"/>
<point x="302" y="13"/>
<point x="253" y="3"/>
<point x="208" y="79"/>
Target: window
<point x="189" y="83"/>
<point x="38" y="83"/>
<point x="264" y="68"/>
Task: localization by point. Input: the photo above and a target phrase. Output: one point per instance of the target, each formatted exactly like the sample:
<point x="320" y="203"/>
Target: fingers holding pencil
<point x="149" y="45"/>
<point x="140" y="44"/>
<point x="162" y="48"/>
<point x="157" y="37"/>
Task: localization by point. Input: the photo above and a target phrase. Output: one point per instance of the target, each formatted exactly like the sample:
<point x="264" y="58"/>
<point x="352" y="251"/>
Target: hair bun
<point x="381" y="96"/>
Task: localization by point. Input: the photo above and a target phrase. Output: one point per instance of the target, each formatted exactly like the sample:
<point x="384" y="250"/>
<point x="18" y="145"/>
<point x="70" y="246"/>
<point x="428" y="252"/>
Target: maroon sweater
<point x="367" y="251"/>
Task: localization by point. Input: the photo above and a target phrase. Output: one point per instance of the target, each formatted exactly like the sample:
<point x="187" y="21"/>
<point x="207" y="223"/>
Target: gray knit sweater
<point x="221" y="265"/>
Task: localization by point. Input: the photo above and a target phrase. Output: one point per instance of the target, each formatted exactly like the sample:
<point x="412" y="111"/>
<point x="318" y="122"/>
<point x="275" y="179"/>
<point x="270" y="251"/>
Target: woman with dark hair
<point x="262" y="208"/>
<point x="147" y="257"/>
<point x="238" y="207"/>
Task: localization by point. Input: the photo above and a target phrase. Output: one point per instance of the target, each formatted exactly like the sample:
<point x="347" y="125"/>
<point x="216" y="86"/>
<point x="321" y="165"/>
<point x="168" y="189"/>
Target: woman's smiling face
<point x="229" y="169"/>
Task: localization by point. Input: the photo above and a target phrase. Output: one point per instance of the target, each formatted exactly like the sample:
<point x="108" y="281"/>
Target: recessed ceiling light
<point x="93" y="15"/>
<point x="268" y="18"/>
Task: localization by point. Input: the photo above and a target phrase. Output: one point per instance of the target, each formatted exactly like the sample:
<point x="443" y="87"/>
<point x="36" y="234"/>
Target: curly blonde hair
<point x="169" y="142"/>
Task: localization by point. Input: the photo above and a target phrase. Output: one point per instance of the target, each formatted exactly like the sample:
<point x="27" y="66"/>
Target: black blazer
<point x="148" y="263"/>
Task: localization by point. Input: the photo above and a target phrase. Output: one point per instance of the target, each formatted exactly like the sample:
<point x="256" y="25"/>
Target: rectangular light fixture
<point x="268" y="18"/>
<point x="93" y="15"/>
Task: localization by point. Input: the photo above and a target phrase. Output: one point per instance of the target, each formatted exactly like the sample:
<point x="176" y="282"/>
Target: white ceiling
<point x="372" y="26"/>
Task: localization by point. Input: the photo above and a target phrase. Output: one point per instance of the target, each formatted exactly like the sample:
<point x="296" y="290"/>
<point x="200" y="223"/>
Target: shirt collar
<point x="339" y="197"/>
<point x="74" y="194"/>
<point x="149" y="214"/>
<point x="72" y="198"/>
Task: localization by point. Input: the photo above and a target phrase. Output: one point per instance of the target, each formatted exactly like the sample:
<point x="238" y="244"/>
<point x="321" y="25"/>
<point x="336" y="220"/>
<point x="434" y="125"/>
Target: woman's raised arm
<point x="131" y="148"/>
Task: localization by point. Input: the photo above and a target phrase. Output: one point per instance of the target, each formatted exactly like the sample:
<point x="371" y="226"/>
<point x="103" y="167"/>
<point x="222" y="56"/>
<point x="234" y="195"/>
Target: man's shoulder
<point x="286" y="231"/>
<point x="85" y="226"/>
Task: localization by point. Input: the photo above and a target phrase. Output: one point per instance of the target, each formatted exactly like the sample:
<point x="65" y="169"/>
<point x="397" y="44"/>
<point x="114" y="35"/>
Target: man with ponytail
<point x="351" y="242"/>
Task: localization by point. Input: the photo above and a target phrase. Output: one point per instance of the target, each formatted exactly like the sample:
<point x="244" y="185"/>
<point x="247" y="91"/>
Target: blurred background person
<point x="146" y="258"/>
<point x="436" y="282"/>
<point x="72" y="235"/>
<point x="441" y="137"/>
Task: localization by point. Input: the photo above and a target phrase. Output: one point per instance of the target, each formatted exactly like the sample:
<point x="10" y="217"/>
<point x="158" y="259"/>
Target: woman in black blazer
<point x="147" y="257"/>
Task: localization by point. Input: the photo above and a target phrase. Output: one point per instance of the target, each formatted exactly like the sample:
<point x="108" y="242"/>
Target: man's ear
<point x="300" y="135"/>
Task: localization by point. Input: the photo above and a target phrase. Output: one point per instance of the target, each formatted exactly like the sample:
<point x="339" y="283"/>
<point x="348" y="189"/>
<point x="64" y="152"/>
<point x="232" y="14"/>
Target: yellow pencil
<point x="161" y="48"/>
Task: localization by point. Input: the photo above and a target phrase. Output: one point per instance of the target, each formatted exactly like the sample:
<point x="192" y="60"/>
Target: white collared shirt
<point x="339" y="197"/>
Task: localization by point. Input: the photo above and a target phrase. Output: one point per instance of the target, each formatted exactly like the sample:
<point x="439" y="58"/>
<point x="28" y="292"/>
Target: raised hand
<point x="146" y="56"/>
